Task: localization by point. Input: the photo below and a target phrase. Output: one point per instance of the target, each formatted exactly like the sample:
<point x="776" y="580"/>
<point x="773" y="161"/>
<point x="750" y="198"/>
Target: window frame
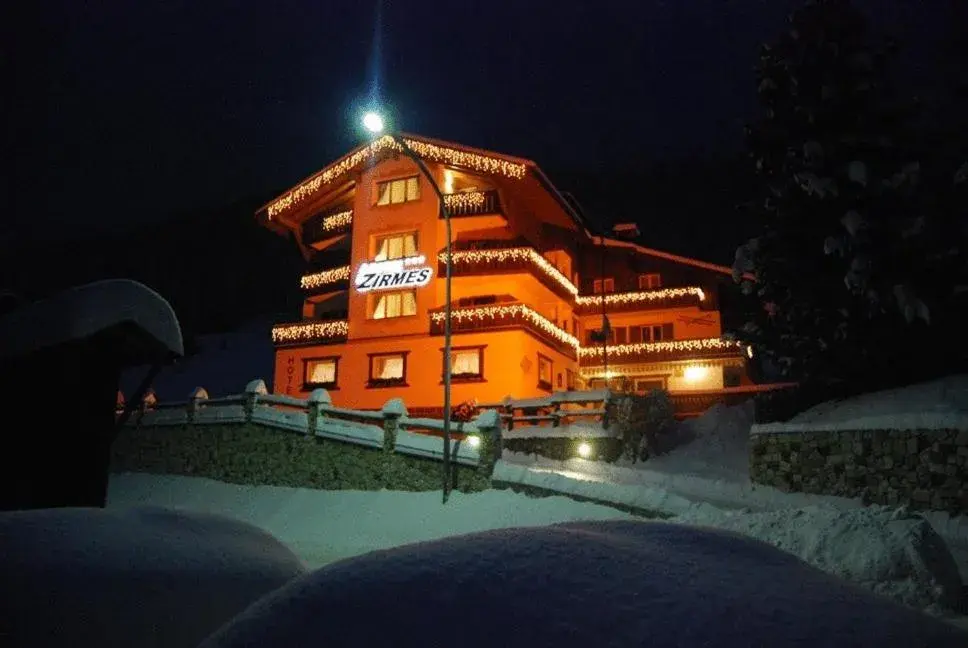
<point x="308" y="385"/>
<point x="389" y="182"/>
<point x="648" y="283"/>
<point x="375" y="244"/>
<point x="604" y="285"/>
<point x="548" y="385"/>
<point x="464" y="378"/>
<point x="375" y="383"/>
<point x="374" y="297"/>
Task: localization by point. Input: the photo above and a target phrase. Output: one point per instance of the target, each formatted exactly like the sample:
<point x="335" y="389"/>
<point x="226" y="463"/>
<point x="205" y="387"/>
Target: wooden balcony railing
<point x="502" y="316"/>
<point x="640" y="300"/>
<point x="327" y="225"/>
<point x="310" y="332"/>
<point x="703" y="348"/>
<point x="473" y="203"/>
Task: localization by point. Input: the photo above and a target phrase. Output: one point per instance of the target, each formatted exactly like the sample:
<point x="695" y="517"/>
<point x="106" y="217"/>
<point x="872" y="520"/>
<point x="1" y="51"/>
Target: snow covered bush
<point x="640" y="422"/>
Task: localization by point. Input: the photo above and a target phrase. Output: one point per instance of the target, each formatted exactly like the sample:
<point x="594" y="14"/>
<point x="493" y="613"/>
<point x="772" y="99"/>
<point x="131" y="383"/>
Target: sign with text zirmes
<point x="411" y="272"/>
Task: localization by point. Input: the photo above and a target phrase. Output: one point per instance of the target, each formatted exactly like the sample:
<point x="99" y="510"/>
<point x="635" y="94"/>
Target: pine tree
<point x="851" y="257"/>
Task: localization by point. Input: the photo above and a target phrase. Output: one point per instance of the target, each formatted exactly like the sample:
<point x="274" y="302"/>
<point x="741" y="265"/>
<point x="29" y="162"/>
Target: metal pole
<point x="604" y="327"/>
<point x="447" y="309"/>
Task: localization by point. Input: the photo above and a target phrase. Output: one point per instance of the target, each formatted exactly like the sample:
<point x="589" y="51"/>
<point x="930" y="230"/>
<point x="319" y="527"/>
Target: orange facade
<point x="530" y="283"/>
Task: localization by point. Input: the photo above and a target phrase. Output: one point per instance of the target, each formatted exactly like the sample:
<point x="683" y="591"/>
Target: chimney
<point x="625" y="231"/>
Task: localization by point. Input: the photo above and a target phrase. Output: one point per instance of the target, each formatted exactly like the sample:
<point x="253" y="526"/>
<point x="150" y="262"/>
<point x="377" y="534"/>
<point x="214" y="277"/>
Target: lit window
<point x="656" y="333"/>
<point x="649" y="384"/>
<point x="467" y="363"/>
<point x="650" y="281"/>
<point x="396" y="246"/>
<point x="388" y="368"/>
<point x="394" y="304"/>
<point x="545" y="372"/>
<point x="609" y="283"/>
<point x="321" y="372"/>
<point x="398" y="191"/>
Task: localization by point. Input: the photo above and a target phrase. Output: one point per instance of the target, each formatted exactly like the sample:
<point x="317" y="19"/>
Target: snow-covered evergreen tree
<point x="852" y="257"/>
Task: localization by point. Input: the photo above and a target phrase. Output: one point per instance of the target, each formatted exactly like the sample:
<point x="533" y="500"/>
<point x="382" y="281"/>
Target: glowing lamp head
<point x="584" y="450"/>
<point x="474" y="441"/>
<point x="373" y="122"/>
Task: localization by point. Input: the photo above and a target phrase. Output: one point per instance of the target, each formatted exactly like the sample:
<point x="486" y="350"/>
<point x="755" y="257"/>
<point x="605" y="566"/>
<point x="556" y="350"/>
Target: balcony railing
<point x="640" y="300"/>
<point x="327" y="225"/>
<point x="310" y="332"/>
<point x="326" y="279"/>
<point x="509" y="260"/>
<point x="703" y="348"/>
<point x="473" y="203"/>
<point x="512" y="315"/>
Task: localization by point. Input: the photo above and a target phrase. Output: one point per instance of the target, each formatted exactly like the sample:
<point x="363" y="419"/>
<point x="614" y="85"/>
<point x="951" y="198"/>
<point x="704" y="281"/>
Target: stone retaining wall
<point x="924" y="469"/>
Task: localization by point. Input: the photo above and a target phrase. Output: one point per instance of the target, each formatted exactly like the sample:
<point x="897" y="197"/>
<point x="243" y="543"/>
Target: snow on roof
<point x="84" y="311"/>
<point x="936" y="405"/>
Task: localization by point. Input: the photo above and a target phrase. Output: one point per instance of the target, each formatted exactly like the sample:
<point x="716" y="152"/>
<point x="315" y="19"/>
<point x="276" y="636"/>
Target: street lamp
<point x="373" y="122"/>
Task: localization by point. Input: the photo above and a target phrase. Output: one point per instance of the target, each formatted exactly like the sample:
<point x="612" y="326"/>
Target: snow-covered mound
<point x="935" y="405"/>
<point x="223" y="366"/>
<point x="581" y="584"/>
<point x="715" y="444"/>
<point x="890" y="551"/>
<point x="143" y="577"/>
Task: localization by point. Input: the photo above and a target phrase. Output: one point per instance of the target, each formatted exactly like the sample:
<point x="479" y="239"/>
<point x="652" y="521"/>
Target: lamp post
<point x="373" y="122"/>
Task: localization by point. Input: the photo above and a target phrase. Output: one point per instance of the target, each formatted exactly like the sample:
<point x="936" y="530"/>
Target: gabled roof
<point x="668" y="256"/>
<point x="456" y="155"/>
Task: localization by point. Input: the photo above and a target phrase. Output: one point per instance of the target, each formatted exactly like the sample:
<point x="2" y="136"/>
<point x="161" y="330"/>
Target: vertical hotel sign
<point x="410" y="272"/>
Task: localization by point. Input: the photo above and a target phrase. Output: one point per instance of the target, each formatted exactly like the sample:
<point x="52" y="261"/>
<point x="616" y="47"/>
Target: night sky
<point x="123" y="114"/>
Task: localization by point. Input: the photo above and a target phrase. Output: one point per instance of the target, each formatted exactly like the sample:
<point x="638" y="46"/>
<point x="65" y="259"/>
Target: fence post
<point x="393" y="410"/>
<point x="195" y="403"/>
<point x="606" y="404"/>
<point x="253" y="390"/>
<point x="318" y="398"/>
<point x="488" y="424"/>
<point x="509" y="410"/>
<point x="556" y="411"/>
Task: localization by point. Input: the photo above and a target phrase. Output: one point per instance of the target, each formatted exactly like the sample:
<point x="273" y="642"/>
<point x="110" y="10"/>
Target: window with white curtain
<point x="397" y="191"/>
<point x="396" y="246"/>
<point x="321" y="371"/>
<point x="545" y="371"/>
<point x="388" y="367"/>
<point x="394" y="304"/>
<point x="467" y="362"/>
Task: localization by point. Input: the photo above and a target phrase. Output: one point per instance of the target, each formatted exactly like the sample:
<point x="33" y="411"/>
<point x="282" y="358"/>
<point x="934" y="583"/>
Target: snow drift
<point x="580" y="584"/>
<point x="143" y="577"/>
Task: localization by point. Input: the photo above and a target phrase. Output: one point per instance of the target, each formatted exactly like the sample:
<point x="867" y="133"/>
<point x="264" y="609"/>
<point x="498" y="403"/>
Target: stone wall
<point x="924" y="469"/>
<point x="251" y="453"/>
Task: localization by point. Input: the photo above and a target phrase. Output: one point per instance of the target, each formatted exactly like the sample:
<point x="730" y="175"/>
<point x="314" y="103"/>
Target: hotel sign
<point x="411" y="272"/>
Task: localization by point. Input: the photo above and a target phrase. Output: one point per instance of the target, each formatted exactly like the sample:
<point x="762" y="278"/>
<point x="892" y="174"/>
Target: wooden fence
<point x="478" y="442"/>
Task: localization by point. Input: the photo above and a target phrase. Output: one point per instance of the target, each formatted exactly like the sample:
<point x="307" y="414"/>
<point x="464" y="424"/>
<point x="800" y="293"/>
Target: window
<point x="467" y="363"/>
<point x="320" y="372"/>
<point x="394" y="304"/>
<point x="732" y="376"/>
<point x="619" y="333"/>
<point x="594" y="336"/>
<point x="545" y="372"/>
<point x="388" y="369"/>
<point x="396" y="246"/>
<point x="609" y="284"/>
<point x="402" y="190"/>
<point x="649" y="281"/>
<point x="571" y="382"/>
<point x="651" y="333"/>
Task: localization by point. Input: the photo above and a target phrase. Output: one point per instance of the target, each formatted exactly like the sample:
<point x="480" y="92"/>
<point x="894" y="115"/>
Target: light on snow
<point x="584" y="450"/>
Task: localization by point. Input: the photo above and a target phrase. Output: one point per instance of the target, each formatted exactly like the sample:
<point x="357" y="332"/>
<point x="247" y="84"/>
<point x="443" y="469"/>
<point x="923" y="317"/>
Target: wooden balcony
<point x="699" y="349"/>
<point x="640" y="300"/>
<point x="502" y="317"/>
<point x="473" y="203"/>
<point x="327" y="225"/>
<point x="310" y="332"/>
<point x="485" y="260"/>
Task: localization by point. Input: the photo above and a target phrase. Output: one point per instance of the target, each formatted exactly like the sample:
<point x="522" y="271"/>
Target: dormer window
<point x="607" y="285"/>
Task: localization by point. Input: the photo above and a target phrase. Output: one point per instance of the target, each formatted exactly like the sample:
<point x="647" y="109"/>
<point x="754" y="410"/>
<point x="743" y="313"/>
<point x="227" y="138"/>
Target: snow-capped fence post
<point x="509" y="410"/>
<point x="606" y="404"/>
<point x="393" y="410"/>
<point x="317" y="399"/>
<point x="253" y="390"/>
<point x="195" y="403"/>
<point x="556" y="411"/>
<point x="489" y="425"/>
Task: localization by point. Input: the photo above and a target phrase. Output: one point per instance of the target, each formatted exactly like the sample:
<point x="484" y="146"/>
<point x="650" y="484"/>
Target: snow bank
<point x="584" y="584"/>
<point x="936" y="405"/>
<point x="324" y="526"/>
<point x="143" y="577"/>
<point x="890" y="551"/>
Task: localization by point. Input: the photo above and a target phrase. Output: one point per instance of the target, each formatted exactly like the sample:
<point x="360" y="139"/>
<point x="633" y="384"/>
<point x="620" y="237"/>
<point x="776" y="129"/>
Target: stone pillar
<point x="195" y="401"/>
<point x="253" y="390"/>
<point x="318" y="400"/>
<point x="489" y="425"/>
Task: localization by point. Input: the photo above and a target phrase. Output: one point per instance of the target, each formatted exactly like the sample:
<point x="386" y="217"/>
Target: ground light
<point x="374" y="123"/>
<point x="474" y="441"/>
<point x="584" y="450"/>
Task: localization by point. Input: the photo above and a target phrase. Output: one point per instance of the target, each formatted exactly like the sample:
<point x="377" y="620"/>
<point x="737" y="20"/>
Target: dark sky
<point x="120" y="113"/>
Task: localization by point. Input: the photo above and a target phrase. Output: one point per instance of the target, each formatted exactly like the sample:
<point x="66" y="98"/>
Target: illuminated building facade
<point x="530" y="285"/>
